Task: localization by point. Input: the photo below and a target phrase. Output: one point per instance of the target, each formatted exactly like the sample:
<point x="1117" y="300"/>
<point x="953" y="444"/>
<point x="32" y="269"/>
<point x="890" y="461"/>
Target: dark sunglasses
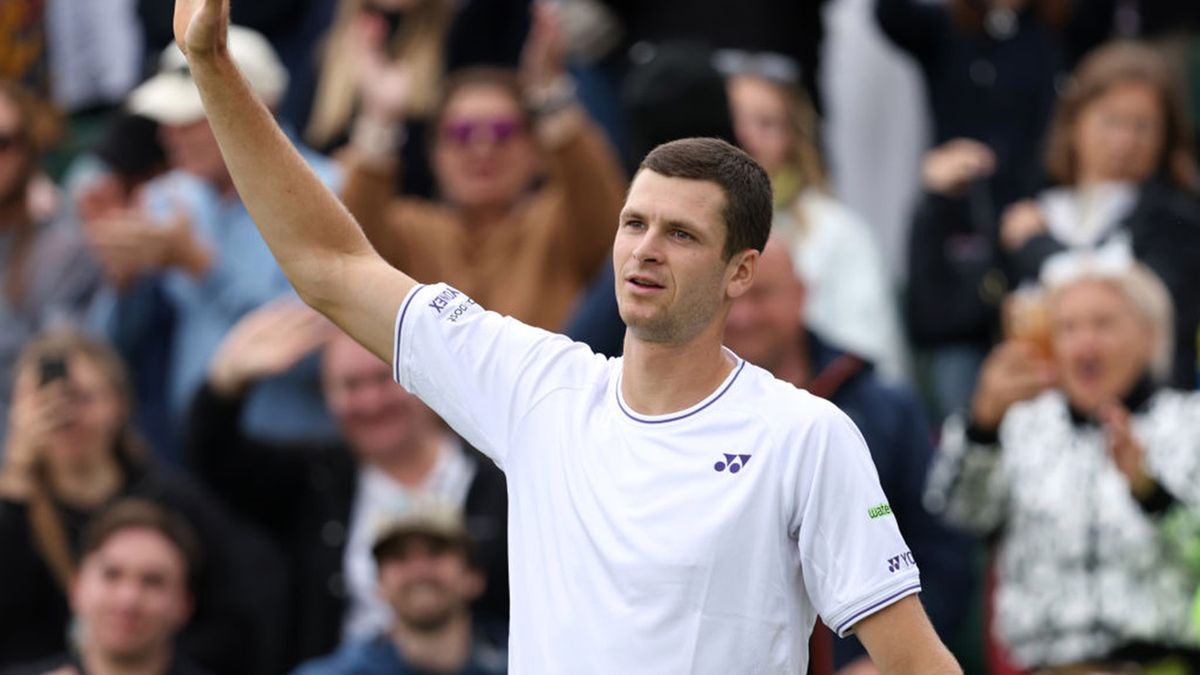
<point x="498" y="130"/>
<point x="11" y="141"/>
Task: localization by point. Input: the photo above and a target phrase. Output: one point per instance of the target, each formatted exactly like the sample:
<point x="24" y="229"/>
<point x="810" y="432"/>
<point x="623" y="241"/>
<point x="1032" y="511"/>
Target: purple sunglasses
<point x="498" y="130"/>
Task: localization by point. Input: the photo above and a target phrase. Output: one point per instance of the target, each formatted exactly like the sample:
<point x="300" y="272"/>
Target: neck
<point x="792" y="364"/>
<point x="660" y="378"/>
<point x="444" y="650"/>
<point x="86" y="484"/>
<point x="155" y="662"/>
<point x="484" y="216"/>
<point x="411" y="464"/>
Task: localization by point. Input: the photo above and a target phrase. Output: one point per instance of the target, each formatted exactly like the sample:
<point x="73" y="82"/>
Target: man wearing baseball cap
<point x="192" y="243"/>
<point x="427" y="576"/>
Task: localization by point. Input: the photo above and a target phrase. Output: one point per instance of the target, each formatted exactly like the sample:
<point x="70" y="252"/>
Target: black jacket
<point x="1164" y="227"/>
<point x="178" y="666"/>
<point x="302" y="498"/>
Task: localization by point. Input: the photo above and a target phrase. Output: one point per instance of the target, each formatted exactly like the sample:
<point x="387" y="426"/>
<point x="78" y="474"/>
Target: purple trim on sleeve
<point x="863" y="613"/>
<point x="399" y="325"/>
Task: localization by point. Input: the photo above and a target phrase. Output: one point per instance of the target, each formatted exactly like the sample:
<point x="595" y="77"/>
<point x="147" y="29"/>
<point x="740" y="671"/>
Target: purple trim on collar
<point x="715" y="397"/>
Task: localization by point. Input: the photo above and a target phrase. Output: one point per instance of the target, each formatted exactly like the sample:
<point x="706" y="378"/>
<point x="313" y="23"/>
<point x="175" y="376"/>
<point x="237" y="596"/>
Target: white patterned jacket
<point x="1083" y="567"/>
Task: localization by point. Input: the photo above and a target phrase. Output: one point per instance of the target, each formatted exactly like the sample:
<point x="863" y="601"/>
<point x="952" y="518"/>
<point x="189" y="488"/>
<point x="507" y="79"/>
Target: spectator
<point x="1076" y="463"/>
<point x="70" y="451"/>
<point x="132" y="595"/>
<point x="767" y="327"/>
<point x="1120" y="153"/>
<point x="851" y="301"/>
<point x="400" y="31"/>
<point x="991" y="70"/>
<point x="322" y="502"/>
<point x="47" y="277"/>
<point x="426" y="574"/>
<point x="522" y="246"/>
<point x="195" y="245"/>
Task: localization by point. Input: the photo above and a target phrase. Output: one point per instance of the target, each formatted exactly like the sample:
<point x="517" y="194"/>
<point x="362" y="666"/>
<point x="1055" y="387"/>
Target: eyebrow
<point x="630" y="214"/>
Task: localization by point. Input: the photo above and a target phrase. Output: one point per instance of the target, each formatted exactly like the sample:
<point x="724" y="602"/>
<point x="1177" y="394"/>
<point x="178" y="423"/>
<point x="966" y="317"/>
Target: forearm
<point x="593" y="184"/>
<point x="305" y="226"/>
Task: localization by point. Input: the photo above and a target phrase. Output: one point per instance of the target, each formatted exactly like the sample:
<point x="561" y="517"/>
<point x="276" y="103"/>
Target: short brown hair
<point x="142" y="514"/>
<point x="749" y="205"/>
<point x="1115" y="63"/>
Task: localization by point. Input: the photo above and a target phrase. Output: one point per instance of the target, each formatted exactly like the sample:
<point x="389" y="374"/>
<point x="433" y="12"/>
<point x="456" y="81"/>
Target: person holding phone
<point x="71" y="451"/>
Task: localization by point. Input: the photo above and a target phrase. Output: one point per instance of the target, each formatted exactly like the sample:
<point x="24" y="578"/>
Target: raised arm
<point x="316" y="242"/>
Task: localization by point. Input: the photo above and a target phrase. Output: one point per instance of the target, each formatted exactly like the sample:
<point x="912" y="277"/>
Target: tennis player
<point x="674" y="511"/>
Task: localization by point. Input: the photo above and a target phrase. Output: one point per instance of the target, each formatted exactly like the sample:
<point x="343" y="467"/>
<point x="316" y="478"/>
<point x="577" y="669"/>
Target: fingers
<point x="950" y="167"/>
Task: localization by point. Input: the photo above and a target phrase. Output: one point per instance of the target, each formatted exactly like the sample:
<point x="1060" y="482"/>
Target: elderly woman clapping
<point x="1074" y="461"/>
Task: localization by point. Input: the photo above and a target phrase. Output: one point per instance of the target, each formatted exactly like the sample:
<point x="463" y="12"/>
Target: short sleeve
<point x="480" y="371"/>
<point x="854" y="560"/>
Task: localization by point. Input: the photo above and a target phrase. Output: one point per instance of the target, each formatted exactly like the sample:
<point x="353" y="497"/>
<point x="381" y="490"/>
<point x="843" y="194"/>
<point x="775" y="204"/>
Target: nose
<point x="649" y="247"/>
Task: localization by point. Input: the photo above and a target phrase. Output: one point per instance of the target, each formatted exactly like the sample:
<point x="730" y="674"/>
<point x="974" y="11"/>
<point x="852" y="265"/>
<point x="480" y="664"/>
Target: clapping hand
<point x="383" y="83"/>
<point x="544" y="56"/>
<point x="266" y="342"/>
<point x="1127" y="453"/>
<point x="129" y="245"/>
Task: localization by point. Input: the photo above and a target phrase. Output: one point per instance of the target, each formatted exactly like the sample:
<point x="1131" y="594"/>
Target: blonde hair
<point x="1138" y="284"/>
<point x="49" y="532"/>
<point x="420" y="44"/>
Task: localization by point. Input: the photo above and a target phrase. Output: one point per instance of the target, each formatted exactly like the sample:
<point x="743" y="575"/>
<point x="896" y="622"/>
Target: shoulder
<point x="1175" y="406"/>
<point x="790" y="413"/>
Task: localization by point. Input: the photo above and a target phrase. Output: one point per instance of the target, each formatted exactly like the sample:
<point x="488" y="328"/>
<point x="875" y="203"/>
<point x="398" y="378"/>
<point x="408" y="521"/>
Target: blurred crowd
<point x="986" y="251"/>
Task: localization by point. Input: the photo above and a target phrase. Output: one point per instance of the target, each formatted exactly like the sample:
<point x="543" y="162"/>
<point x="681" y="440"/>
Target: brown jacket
<point x="531" y="266"/>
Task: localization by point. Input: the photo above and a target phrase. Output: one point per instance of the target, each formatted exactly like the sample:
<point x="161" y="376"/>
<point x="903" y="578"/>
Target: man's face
<point x="427" y="581"/>
<point x="672" y="278"/>
<point x="377" y="417"/>
<point x="131" y="594"/>
<point x="193" y="148"/>
<point x="766" y="321"/>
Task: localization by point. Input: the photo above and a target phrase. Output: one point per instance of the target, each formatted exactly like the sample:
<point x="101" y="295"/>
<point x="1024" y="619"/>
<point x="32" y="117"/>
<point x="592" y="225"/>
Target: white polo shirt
<point x="704" y="541"/>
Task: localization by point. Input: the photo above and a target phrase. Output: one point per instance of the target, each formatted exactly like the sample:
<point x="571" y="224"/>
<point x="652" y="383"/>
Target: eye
<point x="634" y="225"/>
<point x="682" y="235"/>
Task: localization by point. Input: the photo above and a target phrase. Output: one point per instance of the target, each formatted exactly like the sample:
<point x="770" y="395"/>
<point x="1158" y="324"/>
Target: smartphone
<point x="52" y="368"/>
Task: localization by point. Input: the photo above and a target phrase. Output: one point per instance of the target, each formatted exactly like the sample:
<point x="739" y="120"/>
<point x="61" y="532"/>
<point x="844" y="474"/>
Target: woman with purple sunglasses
<point x="529" y="189"/>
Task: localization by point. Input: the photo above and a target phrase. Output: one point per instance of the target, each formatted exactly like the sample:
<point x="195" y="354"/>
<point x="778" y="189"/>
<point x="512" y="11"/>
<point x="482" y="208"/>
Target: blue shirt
<point x="379" y="656"/>
<point x="244" y="276"/>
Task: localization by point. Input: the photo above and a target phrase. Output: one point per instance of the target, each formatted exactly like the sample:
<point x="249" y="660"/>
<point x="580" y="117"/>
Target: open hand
<point x="383" y="83"/>
<point x="950" y="167"/>
<point x="265" y="343"/>
<point x="543" y="58"/>
<point x="202" y="27"/>
<point x="1021" y="222"/>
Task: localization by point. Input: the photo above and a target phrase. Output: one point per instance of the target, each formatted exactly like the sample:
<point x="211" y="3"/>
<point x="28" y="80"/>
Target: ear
<point x="184" y="614"/>
<point x="740" y="273"/>
<point x="473" y="584"/>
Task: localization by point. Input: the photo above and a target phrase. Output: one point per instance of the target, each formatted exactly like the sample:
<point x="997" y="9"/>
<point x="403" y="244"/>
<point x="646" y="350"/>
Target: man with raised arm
<point x="673" y="511"/>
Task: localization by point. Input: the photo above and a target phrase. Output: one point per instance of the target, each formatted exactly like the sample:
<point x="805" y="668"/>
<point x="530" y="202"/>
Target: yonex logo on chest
<point x="733" y="463"/>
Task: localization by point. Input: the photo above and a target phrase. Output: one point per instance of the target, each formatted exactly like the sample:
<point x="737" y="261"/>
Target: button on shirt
<point x="705" y="541"/>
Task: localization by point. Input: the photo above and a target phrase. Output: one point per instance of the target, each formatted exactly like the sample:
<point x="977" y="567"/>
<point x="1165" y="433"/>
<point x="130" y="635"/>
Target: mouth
<point x="643" y="283"/>
<point x="1089" y="370"/>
